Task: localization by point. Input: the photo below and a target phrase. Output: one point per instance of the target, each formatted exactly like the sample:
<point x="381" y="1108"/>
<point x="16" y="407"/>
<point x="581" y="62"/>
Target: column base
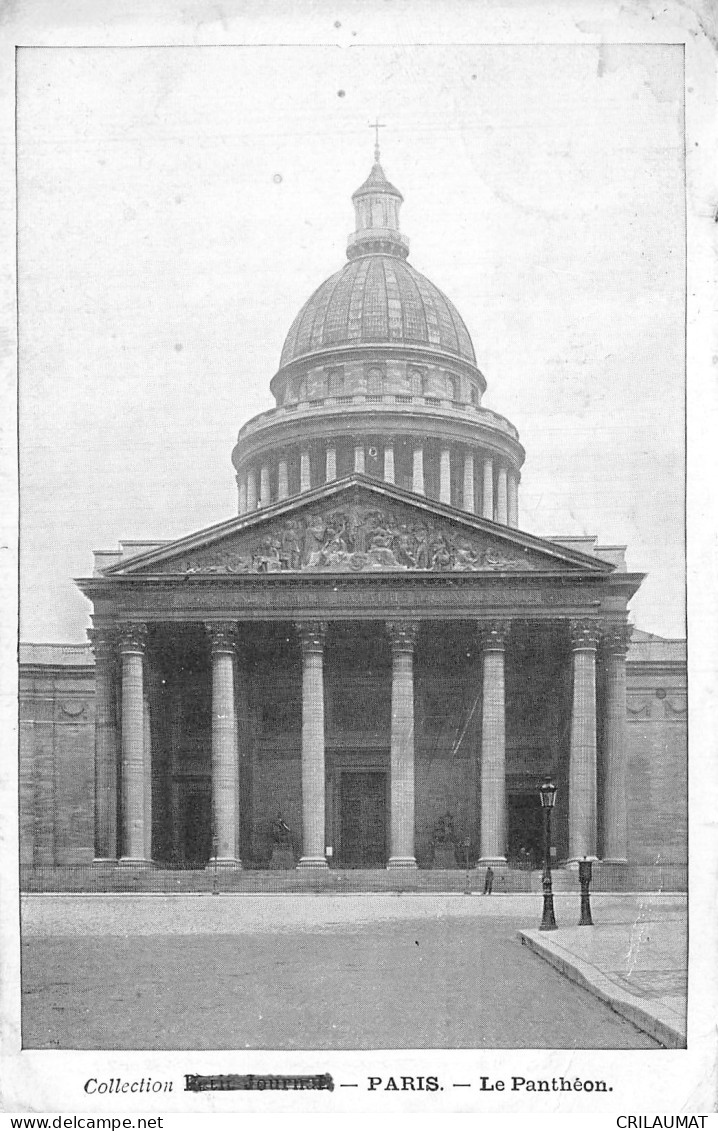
<point x="313" y="862"/>
<point x="491" y="861"/>
<point x="402" y="862"/>
<point x="134" y="862"/>
<point x="224" y="862"/>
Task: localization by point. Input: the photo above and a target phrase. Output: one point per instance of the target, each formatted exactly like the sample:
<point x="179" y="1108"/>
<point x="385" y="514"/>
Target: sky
<point x="177" y="206"/>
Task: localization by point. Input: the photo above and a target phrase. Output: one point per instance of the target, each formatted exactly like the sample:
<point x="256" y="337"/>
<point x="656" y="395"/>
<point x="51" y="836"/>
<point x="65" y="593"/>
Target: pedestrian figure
<point x="489" y="880"/>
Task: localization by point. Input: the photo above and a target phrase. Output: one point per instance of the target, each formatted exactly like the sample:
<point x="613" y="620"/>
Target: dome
<point x="378" y="299"/>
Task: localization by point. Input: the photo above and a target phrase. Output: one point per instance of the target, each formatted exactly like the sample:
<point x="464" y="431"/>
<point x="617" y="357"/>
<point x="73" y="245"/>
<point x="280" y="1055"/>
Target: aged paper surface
<point x="147" y="142"/>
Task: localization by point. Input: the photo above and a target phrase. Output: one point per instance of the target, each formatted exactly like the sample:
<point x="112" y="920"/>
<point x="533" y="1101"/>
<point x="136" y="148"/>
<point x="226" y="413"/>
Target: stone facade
<point x="57" y="806"/>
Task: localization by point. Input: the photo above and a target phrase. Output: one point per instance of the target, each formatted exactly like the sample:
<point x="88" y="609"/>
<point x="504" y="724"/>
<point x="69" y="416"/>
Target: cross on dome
<point x="376" y="126"/>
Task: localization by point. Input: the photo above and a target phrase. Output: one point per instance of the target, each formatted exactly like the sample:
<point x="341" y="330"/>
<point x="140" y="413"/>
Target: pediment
<point x="356" y="527"/>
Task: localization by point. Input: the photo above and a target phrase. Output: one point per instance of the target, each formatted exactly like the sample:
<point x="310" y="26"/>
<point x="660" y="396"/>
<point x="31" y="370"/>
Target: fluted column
<point x="305" y="471"/>
<point x="242" y="490"/>
<point x="133" y="638"/>
<point x="502" y="496"/>
<point x="313" y="774"/>
<point x="282" y="479"/>
<point x="468" y="500"/>
<point x="582" y="764"/>
<point x="265" y="493"/>
<point x="493" y="744"/>
<point x="615" y="831"/>
<point x="445" y="476"/>
<point x="389" y="463"/>
<point x="487" y="498"/>
<point x="225" y="765"/>
<point x="251" y="490"/>
<point x="147" y="737"/>
<point x="331" y="464"/>
<point x="403" y="639"/>
<point x="513" y="500"/>
<point x="103" y="644"/>
<point x="359" y="459"/>
<point x="417" y="471"/>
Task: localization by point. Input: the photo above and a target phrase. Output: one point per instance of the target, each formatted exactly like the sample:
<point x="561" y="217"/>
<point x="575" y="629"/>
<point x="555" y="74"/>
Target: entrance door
<point x="363" y="819"/>
<point x="525" y="829"/>
<point x="196" y="825"/>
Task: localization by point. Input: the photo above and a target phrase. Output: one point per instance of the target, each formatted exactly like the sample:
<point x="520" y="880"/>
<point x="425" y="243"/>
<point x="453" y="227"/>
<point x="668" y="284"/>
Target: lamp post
<point x="547" y="793"/>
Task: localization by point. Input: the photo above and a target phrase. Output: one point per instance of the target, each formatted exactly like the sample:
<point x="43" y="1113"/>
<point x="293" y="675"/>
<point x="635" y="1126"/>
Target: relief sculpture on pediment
<point x="356" y="539"/>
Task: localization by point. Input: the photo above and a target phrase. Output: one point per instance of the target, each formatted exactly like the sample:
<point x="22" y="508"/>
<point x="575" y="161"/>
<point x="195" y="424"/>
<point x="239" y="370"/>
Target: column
<point x="265" y="494"/>
<point x="305" y="471"/>
<point x="242" y="488"/>
<point x="468" y="502"/>
<point x="147" y="738"/>
<point x="313" y="775"/>
<point x="331" y="464"/>
<point x="177" y="728"/>
<point x="403" y="639"/>
<point x="445" y="476"/>
<point x="615" y="831"/>
<point x="133" y="638"/>
<point x="103" y="645"/>
<point x="487" y="501"/>
<point x="251" y="491"/>
<point x="582" y="763"/>
<point x="388" y="463"/>
<point x="493" y="744"/>
<point x="513" y="500"/>
<point x="502" y="497"/>
<point x="282" y="479"/>
<point x="225" y="766"/>
<point x="359" y="460"/>
<point x="417" y="472"/>
<point x="245" y="752"/>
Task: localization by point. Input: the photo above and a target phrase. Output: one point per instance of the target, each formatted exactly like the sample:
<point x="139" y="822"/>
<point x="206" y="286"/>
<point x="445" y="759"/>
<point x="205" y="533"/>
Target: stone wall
<point x="57" y="744"/>
<point x="658" y="758"/>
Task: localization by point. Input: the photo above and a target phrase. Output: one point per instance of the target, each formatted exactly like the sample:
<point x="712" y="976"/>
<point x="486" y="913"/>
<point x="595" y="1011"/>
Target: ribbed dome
<point x="377" y="298"/>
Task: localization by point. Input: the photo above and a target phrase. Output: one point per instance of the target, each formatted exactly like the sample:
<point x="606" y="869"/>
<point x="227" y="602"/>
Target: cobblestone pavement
<point x="422" y="971"/>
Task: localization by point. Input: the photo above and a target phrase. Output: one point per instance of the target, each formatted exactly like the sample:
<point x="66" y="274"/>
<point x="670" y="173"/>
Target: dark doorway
<point x="525" y="830"/>
<point x="196" y="825"/>
<point x="363" y="820"/>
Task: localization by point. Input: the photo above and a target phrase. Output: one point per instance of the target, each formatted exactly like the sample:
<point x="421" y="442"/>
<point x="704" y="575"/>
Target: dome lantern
<point x="376" y="207"/>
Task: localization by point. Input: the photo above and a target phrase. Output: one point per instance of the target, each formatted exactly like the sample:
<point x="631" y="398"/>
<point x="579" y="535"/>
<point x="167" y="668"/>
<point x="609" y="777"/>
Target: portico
<point x="360" y="702"/>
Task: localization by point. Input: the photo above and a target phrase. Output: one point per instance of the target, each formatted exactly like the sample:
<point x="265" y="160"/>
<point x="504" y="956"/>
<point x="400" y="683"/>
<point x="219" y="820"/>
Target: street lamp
<point x="547" y="793"/>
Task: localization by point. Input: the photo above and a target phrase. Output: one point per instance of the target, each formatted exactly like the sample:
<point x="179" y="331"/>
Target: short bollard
<point x="467" y="846"/>
<point x="215" y="877"/>
<point x="584" y="876"/>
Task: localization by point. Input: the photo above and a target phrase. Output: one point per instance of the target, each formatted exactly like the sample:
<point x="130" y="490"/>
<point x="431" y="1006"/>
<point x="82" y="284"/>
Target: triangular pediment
<point x="357" y="525"/>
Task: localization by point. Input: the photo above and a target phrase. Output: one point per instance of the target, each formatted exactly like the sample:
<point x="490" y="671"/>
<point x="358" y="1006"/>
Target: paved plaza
<point x="334" y="972"/>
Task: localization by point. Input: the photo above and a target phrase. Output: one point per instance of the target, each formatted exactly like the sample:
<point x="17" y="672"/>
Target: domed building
<point x="378" y="376"/>
<point x="371" y="670"/>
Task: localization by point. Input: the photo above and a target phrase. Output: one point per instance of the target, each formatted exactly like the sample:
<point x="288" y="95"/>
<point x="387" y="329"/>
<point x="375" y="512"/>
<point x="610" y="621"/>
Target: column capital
<point x="222" y="635"/>
<point x="584" y="634"/>
<point x="402" y="634"/>
<point x="493" y="635"/>
<point x="615" y="638"/>
<point x="132" y="636"/>
<point x="312" y="634"/>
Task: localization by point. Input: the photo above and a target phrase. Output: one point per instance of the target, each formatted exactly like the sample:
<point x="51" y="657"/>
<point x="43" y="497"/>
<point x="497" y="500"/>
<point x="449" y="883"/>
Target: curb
<point x="592" y="979"/>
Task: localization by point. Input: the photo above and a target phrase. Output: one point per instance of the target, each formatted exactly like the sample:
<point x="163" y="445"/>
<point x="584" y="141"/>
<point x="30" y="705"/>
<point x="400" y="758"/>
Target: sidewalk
<point x="635" y="959"/>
